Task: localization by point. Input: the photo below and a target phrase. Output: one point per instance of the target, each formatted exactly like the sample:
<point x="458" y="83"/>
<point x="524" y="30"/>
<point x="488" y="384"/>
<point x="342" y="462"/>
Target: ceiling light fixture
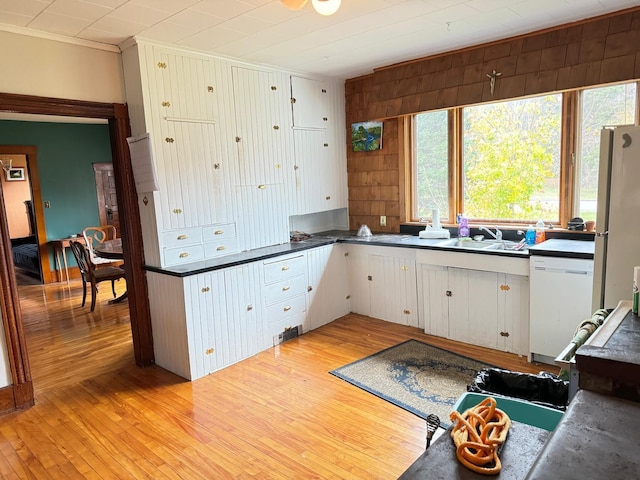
<point x="326" y="7"/>
<point x="323" y="7"/>
<point x="294" y="4"/>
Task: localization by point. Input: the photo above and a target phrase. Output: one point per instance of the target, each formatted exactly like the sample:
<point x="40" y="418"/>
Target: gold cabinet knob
<point x="210" y="88"/>
<point x="184" y="255"/>
<point x="284" y="289"/>
<point x="182" y="237"/>
<point x="285" y="268"/>
<point x="216" y="166"/>
<point x="276" y="127"/>
<point x="274" y="88"/>
<point x="328" y="197"/>
<point x="218" y="232"/>
<point x="169" y="140"/>
<point x="262" y="187"/>
<point x="220" y="248"/>
<point x="162" y="65"/>
<point x="177" y="210"/>
<point x="286" y="309"/>
<point x="205" y="289"/>
<point x="166" y="104"/>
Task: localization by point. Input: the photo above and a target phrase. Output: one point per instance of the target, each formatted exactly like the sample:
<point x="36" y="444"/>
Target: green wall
<point x="66" y="152"/>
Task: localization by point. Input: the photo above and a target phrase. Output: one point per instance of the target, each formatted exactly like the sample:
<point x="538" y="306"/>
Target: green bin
<point x="518" y="410"/>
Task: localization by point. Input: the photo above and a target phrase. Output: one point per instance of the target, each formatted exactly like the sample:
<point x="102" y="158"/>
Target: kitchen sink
<point x="470" y="244"/>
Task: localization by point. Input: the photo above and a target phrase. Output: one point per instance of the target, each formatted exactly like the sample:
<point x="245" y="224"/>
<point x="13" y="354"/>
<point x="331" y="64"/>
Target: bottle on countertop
<point x="530" y="236"/>
<point x="540" y="231"/>
<point x="463" y="226"/>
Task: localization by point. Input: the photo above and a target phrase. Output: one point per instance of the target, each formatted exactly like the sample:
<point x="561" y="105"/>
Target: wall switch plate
<point x="383" y="220"/>
<point x="47" y="204"/>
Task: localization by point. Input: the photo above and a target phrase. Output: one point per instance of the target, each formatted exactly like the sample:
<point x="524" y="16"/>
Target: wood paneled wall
<point x="601" y="50"/>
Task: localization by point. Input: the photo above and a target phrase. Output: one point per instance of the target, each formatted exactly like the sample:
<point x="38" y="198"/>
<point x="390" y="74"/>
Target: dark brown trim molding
<point x="119" y="129"/>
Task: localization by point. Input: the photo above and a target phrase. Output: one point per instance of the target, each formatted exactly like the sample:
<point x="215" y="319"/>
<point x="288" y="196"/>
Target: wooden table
<point x="111" y="249"/>
<point x="59" y="247"/>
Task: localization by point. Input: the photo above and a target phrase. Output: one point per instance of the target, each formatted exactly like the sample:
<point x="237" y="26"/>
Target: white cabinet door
<point x="195" y="180"/>
<point x="310" y="102"/>
<point x="239" y="333"/>
<point x="316" y="186"/>
<point x="433" y="287"/>
<point x="205" y="308"/>
<point x="359" y="279"/>
<point x="513" y="313"/>
<point x="263" y="126"/>
<point x="262" y="215"/>
<point x="393" y="293"/>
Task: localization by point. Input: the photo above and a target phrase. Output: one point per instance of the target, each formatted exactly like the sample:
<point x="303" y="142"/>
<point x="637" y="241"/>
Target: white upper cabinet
<point x="310" y="100"/>
<point x="263" y="126"/>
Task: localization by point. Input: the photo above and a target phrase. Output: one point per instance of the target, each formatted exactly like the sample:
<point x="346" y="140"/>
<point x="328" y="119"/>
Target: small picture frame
<point x="366" y="136"/>
<point x="15" y="174"/>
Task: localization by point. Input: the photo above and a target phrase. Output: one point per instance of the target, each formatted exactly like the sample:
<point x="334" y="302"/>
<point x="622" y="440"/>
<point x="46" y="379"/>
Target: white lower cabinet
<point x="205" y="322"/>
<point x="383" y="283"/>
<point x="478" y="307"/>
<point x="328" y="290"/>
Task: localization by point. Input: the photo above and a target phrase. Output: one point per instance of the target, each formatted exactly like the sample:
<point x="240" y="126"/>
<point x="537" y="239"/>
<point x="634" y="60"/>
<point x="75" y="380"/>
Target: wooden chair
<point x="93" y="275"/>
<point x="93" y="235"/>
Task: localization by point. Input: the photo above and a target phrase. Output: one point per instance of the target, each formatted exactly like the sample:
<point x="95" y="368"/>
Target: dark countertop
<point x="439" y="461"/>
<point x="564" y="248"/>
<point x="596" y="438"/>
<point x="572" y="249"/>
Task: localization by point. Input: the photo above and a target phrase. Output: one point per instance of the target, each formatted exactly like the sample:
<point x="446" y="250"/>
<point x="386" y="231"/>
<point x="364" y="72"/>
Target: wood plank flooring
<point x="277" y="415"/>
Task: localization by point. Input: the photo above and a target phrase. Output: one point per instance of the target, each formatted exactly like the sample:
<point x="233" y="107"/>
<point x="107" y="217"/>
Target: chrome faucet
<point x="497" y="235"/>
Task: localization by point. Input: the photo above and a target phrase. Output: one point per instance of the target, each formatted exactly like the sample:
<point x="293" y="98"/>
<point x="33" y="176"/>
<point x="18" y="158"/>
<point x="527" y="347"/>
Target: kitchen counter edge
<point x="554" y="248"/>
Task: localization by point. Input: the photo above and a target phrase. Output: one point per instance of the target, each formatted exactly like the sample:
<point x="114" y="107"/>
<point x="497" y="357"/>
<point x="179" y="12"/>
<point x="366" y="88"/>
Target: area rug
<point x="420" y="378"/>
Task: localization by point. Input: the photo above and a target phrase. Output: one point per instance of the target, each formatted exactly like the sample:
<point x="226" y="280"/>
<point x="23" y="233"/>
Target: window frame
<point x="569" y="158"/>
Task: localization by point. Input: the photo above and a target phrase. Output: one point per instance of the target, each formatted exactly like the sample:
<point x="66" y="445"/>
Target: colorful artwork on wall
<point x="366" y="136"/>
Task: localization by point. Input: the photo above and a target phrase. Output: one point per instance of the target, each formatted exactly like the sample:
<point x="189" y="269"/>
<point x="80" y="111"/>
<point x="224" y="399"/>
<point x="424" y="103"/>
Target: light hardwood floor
<point x="277" y="415"/>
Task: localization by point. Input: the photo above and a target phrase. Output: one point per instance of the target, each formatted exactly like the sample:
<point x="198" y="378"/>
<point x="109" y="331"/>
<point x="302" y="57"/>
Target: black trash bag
<point x="544" y="389"/>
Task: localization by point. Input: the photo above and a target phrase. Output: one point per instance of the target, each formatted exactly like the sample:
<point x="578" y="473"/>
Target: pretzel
<point x="477" y="433"/>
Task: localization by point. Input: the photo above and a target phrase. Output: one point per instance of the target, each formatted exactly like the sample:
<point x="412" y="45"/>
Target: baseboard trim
<point x="16" y="397"/>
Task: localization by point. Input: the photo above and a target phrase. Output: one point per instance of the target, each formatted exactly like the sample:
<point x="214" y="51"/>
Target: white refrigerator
<point x="617" y="241"/>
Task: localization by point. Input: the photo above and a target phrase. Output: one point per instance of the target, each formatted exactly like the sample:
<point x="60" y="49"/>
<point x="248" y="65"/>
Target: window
<point x="511" y="160"/>
<point x="431" y="165"/>
<point x="613" y="105"/>
<point x="507" y="158"/>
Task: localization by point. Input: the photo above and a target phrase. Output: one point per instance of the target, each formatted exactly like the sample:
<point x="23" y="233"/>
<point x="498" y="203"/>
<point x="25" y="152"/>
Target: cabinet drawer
<point x="286" y="310"/>
<point x="186" y="254"/>
<point x="283" y="269"/>
<point x="186" y="236"/>
<point x="223" y="247"/>
<point x="215" y="233"/>
<point x="280" y="291"/>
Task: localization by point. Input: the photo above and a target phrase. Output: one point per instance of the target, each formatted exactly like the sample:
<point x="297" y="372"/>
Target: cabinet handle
<point x="370" y="278"/>
<point x="205" y="289"/>
<point x="249" y="308"/>
<point x="296" y="167"/>
<point x="238" y="139"/>
<point x="278" y="165"/>
<point x="286" y="309"/>
<point x="262" y="187"/>
<point x="346" y="254"/>
<point x="162" y="65"/>
<point x="182" y="237"/>
<point x="325" y="119"/>
<point x="309" y="288"/>
<point x="177" y="210"/>
<point x="285" y="268"/>
<point x="210" y="88"/>
<point x="505" y="288"/>
<point x="449" y="294"/>
<point x="220" y="248"/>
<point x="328" y="197"/>
<point x="209" y="351"/>
<point x="276" y="127"/>
<point x="284" y="289"/>
<point x="274" y="88"/>
<point x="216" y="166"/>
<point x="166" y="104"/>
<point x="504" y="334"/>
<point x="293" y="100"/>
<point x="218" y="232"/>
<point x="183" y="255"/>
<point x="326" y="144"/>
<point x="324" y="90"/>
<point x="404" y="267"/>
<point x="348" y="297"/>
<point x="407" y="312"/>
<point x="169" y="140"/>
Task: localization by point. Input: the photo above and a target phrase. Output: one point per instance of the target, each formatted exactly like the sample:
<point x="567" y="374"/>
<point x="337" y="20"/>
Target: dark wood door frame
<point x="119" y="128"/>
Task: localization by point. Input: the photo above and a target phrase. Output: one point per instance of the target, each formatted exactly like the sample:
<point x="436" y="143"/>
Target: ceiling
<point x="362" y="35"/>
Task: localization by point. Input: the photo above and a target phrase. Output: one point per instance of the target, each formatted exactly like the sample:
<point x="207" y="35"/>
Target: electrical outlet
<point x="383" y="220"/>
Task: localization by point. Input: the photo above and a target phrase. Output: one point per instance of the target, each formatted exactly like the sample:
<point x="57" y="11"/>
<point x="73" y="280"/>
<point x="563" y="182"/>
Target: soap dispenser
<point x="530" y="236"/>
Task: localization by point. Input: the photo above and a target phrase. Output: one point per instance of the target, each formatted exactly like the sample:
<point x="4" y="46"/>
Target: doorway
<point x="20" y="392"/>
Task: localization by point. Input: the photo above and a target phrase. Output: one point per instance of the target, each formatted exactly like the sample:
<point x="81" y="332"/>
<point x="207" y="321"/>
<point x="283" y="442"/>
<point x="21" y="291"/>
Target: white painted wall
<point x="52" y="68"/>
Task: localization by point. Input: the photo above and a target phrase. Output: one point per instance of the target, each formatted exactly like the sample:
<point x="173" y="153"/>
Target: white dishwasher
<point x="560" y="299"/>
